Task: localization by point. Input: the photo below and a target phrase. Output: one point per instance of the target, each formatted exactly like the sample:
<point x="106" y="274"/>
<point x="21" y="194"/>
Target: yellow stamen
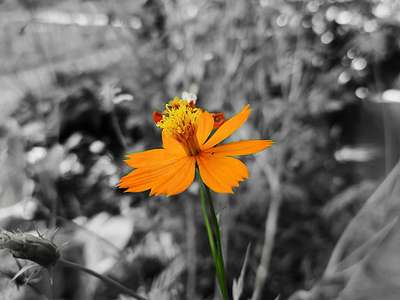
<point x="180" y="122"/>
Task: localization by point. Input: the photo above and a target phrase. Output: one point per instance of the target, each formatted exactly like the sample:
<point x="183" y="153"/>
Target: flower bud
<point x="27" y="246"/>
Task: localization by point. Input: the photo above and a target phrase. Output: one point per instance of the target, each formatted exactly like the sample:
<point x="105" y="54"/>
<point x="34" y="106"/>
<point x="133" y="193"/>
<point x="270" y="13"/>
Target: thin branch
<point x="270" y="230"/>
<point x="69" y="264"/>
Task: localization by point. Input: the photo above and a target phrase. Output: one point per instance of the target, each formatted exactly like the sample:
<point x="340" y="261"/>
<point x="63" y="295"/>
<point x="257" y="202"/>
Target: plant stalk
<point x="69" y="264"/>
<point x="217" y="253"/>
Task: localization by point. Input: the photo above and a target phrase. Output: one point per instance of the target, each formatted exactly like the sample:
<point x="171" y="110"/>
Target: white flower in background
<point x="189" y="96"/>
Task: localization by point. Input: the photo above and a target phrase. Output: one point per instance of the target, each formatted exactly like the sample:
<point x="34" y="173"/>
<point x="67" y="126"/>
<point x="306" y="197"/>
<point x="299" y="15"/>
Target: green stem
<point x="218" y="257"/>
<point x="215" y="220"/>
<point x="221" y="265"/>
<point x="69" y="264"/>
<point x="210" y="236"/>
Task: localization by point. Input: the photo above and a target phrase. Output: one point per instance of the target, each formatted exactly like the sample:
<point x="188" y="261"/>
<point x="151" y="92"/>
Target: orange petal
<point x="138" y="181"/>
<point x="228" y="128"/>
<point x="150" y="166"/>
<point x="183" y="182"/>
<point x="143" y="178"/>
<point x="240" y="148"/>
<point x="172" y="145"/>
<point x="205" y="127"/>
<point x="153" y="176"/>
<point x="151" y="157"/>
<point x="221" y="173"/>
<point x="176" y="179"/>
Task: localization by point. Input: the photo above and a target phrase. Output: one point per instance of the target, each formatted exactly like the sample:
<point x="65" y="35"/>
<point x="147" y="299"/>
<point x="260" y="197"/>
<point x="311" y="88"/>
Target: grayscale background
<point x="79" y="81"/>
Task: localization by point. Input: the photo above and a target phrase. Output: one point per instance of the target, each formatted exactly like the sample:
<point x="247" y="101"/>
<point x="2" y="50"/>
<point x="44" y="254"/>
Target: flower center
<point x="180" y="123"/>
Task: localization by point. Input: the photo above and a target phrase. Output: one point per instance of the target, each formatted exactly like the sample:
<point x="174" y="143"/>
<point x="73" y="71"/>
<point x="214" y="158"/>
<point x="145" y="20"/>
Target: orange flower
<point x="185" y="132"/>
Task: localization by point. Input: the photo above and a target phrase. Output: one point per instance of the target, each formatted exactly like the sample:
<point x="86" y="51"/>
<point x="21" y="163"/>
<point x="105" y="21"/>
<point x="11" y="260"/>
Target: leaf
<point x="354" y="195"/>
<point x="380" y="209"/>
<point x="378" y="275"/>
<point x="168" y="277"/>
<point x="365" y="262"/>
<point x="25" y="268"/>
<point x="237" y="288"/>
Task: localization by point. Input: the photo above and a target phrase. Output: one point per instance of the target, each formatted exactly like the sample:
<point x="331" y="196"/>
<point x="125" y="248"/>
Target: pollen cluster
<point x="180" y="123"/>
<point x="180" y="120"/>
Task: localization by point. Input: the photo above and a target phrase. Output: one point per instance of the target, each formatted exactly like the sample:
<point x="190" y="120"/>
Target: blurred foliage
<point x="363" y="262"/>
<point x="312" y="71"/>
